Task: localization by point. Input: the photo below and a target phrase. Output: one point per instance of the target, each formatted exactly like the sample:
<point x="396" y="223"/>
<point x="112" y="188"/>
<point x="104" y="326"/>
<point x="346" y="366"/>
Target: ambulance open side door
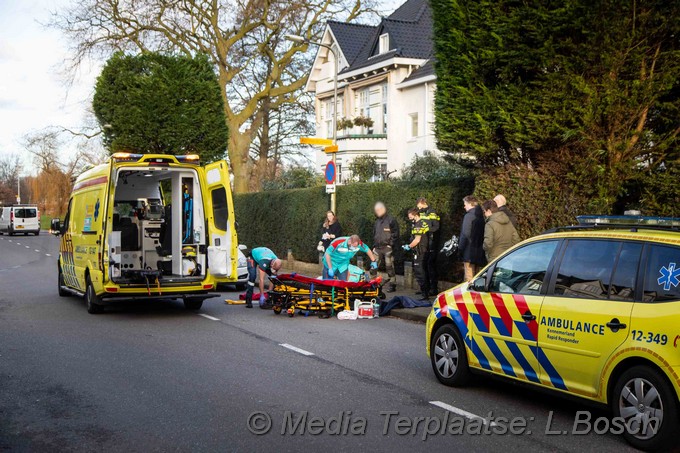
<point x="219" y="211"/>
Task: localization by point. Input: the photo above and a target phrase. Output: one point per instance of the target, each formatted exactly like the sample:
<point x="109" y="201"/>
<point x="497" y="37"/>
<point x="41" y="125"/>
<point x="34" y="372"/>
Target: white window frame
<point x="414" y="127"/>
<point x="384" y="43"/>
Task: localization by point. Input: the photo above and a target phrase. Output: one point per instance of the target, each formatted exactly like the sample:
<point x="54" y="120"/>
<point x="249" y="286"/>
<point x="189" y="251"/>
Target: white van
<point x="20" y="218"/>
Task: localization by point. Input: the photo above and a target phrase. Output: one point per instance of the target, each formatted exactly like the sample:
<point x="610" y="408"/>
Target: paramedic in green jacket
<point x="339" y="253"/>
<point x="266" y="262"/>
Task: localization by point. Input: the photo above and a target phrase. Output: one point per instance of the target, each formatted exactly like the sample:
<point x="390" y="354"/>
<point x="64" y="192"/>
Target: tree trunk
<point x="263" y="152"/>
<point x="239" y="144"/>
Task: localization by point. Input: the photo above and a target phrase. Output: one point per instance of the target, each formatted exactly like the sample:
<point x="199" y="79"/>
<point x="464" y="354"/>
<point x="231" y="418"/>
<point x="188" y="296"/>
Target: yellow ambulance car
<point x="591" y="310"/>
<point x="148" y="226"/>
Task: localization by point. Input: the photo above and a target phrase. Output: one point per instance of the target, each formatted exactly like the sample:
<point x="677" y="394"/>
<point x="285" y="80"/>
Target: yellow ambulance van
<point x="145" y="226"/>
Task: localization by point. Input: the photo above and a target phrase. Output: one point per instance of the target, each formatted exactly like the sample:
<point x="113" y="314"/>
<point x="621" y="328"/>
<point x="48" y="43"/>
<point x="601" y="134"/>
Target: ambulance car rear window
<point x="25" y="213"/>
<point x="662" y="280"/>
<point x="220" y="208"/>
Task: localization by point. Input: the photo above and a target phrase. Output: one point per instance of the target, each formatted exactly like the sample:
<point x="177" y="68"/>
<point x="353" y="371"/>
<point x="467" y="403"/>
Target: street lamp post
<point x="301" y="40"/>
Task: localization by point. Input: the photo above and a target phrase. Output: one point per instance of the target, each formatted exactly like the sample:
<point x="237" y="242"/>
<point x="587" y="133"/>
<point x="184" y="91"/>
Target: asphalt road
<point x="156" y="377"/>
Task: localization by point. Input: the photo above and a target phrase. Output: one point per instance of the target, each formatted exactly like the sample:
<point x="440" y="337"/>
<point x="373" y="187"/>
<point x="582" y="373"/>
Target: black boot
<point x="249" y="303"/>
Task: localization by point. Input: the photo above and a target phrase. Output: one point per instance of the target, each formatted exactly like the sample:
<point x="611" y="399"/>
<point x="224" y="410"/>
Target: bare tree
<point x="10" y="167"/>
<point x="242" y="37"/>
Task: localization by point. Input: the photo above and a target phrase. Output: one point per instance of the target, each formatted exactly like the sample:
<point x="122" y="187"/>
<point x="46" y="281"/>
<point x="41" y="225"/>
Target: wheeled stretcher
<point x="325" y="297"/>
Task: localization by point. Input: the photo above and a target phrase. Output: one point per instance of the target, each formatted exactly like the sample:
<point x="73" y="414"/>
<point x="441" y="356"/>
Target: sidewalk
<point x="417" y="314"/>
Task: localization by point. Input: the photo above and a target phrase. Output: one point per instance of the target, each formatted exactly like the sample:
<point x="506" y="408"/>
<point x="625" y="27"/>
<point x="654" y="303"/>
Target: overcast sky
<point x="33" y="92"/>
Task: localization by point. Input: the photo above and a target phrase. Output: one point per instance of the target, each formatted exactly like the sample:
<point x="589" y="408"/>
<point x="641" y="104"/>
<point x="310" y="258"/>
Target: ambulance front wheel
<point x="61" y="284"/>
<point x="94" y="303"/>
<point x="449" y="357"/>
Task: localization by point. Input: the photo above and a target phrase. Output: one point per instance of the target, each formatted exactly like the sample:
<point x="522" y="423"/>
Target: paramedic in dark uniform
<point x="419" y="246"/>
<point x="430" y="217"/>
<point x="265" y="261"/>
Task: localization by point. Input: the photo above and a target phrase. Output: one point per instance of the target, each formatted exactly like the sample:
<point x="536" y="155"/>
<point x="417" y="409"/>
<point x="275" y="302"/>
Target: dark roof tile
<point x="409" y="29"/>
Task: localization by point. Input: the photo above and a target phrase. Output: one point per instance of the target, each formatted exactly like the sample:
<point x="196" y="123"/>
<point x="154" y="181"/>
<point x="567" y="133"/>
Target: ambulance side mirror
<point x="479" y="284"/>
<point x="55" y="227"/>
<point x="242" y="247"/>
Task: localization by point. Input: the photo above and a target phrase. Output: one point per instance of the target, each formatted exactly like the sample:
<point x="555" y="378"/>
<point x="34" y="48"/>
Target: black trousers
<point x="431" y="270"/>
<point x="420" y="271"/>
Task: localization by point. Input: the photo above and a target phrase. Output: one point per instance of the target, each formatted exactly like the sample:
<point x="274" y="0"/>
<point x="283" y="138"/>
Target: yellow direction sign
<point x="331" y="149"/>
<point x="315" y="141"/>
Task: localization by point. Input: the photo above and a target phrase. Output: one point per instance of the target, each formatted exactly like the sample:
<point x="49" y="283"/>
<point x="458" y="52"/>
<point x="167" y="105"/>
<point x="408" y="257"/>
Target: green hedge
<point x="291" y="219"/>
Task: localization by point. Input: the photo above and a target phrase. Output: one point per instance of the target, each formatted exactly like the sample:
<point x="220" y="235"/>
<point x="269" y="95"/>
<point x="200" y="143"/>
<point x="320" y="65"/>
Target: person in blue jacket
<point x="340" y="252"/>
<point x="267" y="263"/>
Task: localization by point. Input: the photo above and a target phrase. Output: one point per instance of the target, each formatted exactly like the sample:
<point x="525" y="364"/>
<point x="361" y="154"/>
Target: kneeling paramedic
<point x="265" y="261"/>
<point x="339" y="254"/>
<point x="419" y="246"/>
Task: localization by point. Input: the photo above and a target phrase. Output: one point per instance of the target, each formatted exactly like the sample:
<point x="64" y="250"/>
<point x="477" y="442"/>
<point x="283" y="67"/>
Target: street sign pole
<point x="335" y="118"/>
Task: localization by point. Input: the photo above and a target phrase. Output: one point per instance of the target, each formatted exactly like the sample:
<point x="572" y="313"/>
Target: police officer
<point x="385" y="239"/>
<point x="265" y="261"/>
<point x="431" y="218"/>
<point x="419" y="246"/>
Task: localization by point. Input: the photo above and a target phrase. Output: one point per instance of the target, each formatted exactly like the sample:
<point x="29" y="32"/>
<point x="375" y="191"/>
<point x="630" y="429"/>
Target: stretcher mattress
<point x="329" y="283"/>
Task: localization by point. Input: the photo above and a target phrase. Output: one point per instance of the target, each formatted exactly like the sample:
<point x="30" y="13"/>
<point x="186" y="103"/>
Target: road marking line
<point x="36" y="250"/>
<point x="466" y="414"/>
<point x="212" y="318"/>
<point x="28" y="246"/>
<point x="47" y="254"/>
<point x="296" y="349"/>
<point x="18" y="243"/>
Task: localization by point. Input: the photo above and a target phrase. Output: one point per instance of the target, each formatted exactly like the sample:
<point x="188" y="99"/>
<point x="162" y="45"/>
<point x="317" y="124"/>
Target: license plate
<point x="19" y="227"/>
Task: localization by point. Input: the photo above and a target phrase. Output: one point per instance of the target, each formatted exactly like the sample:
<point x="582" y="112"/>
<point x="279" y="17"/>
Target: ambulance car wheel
<point x="94" y="305"/>
<point x="648" y="405"/>
<point x="36" y="233"/>
<point x="277" y="309"/>
<point x="60" y="281"/>
<point x="449" y="357"/>
<point x="193" y="304"/>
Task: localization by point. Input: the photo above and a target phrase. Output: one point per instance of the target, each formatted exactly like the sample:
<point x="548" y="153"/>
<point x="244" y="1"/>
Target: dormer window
<point x="384" y="44"/>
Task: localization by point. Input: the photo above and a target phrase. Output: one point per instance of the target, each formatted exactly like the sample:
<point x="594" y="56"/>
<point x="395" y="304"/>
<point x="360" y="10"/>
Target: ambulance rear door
<point x="219" y="212"/>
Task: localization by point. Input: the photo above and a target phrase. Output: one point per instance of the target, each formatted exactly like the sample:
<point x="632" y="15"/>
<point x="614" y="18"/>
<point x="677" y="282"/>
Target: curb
<point x="418" y="314"/>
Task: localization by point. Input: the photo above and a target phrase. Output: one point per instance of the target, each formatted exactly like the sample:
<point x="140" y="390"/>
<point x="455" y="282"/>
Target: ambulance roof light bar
<point x="628" y="220"/>
<point x="135" y="157"/>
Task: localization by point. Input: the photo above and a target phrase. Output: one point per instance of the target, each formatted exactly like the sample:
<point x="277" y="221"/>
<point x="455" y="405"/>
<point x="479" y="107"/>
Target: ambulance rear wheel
<point x="277" y="309"/>
<point x="94" y="303"/>
<point x="449" y="357"/>
<point x="193" y="304"/>
<point x="60" y="281"/>
<point x="648" y="406"/>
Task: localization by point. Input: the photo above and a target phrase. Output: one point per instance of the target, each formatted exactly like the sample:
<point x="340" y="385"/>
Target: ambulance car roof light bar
<point x="628" y="220"/>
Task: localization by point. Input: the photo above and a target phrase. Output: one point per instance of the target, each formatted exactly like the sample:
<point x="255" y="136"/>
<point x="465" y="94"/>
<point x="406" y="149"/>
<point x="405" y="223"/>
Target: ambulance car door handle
<point x="615" y="325"/>
<point x="528" y="317"/>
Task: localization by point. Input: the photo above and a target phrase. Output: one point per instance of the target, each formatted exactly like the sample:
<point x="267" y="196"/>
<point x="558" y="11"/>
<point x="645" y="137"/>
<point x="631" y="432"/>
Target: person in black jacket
<point x="385" y="240"/>
<point x="470" y="245"/>
<point x="330" y="230"/>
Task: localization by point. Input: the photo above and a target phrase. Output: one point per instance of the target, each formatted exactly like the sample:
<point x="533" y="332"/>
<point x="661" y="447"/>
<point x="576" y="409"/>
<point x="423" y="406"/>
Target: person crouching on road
<point x="262" y="261"/>
<point x="499" y="233"/>
<point x="385" y="239"/>
<point x="340" y="252"/>
<point x="470" y="245"/>
<point x="419" y="246"/>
